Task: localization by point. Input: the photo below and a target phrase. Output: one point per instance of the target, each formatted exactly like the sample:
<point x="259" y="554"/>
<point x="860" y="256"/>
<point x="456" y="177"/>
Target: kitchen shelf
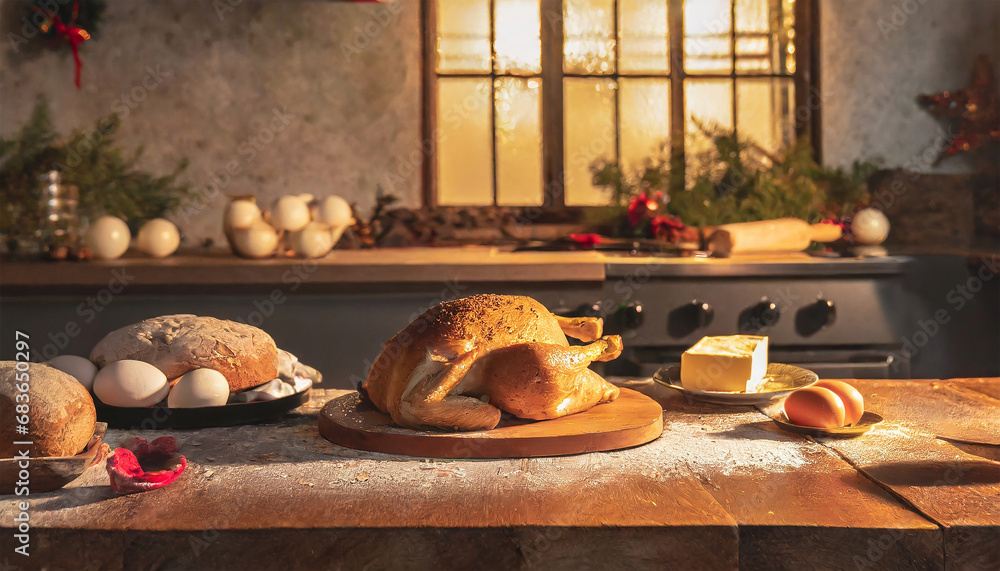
<point x="342" y="267"/>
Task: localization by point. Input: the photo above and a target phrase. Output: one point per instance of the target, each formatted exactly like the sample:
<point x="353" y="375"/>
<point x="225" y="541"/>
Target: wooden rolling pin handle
<point x="825" y="232"/>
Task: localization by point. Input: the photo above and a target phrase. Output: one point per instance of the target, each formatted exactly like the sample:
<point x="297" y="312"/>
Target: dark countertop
<point x="721" y="488"/>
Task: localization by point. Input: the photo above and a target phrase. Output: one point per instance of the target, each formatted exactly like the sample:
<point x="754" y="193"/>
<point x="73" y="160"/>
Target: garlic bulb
<point x="108" y="237"/>
<point x="258" y="241"/>
<point x="241" y="214"/>
<point x="158" y="238"/>
<point x="290" y="213"/>
<point x="870" y="227"/>
<point x="312" y="241"/>
<point x="335" y="211"/>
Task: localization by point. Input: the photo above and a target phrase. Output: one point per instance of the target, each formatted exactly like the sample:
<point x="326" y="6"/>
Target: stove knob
<point x="814" y="317"/>
<point x="595" y="309"/>
<point x="689" y="317"/>
<point x="760" y="316"/>
<point x="632" y="315"/>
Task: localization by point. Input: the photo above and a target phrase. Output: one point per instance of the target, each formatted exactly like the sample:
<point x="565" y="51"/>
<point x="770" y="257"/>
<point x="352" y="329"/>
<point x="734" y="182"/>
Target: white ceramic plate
<point x="780" y="381"/>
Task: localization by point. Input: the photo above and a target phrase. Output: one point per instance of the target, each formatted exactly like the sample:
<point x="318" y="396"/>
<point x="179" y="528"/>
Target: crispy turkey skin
<point x="461" y="363"/>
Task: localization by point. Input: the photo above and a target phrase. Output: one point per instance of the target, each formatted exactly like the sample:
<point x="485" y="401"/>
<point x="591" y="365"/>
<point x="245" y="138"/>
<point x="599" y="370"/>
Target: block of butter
<point x="733" y="363"/>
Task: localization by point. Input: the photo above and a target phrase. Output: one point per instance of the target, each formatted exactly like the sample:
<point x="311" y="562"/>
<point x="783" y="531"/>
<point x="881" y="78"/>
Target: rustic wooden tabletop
<point x="723" y="487"/>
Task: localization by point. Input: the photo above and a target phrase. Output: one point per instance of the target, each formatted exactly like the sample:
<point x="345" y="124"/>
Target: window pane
<point x="589" y="26"/>
<point x="518" y="41"/>
<point x="710" y="103"/>
<point x="519" y="141"/>
<point x="589" y="116"/>
<point x="765" y="111"/>
<point x="753" y="37"/>
<point x="642" y="36"/>
<point x="785" y="44"/>
<point x="707" y="45"/>
<point x="463" y="36"/>
<point x="464" y="154"/>
<point x="645" y="119"/>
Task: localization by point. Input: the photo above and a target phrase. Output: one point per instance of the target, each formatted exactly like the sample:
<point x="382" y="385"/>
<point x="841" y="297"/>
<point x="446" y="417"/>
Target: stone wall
<point x="878" y="55"/>
<point x="317" y="97"/>
<point x="324" y="97"/>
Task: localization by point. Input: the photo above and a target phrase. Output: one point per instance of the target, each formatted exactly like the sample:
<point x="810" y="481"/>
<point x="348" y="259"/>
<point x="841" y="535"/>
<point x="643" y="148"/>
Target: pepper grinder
<point x="59" y="230"/>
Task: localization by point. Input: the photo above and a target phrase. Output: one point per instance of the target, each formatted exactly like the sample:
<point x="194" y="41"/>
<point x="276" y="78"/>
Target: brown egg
<point x="816" y="407"/>
<point x="854" y="403"/>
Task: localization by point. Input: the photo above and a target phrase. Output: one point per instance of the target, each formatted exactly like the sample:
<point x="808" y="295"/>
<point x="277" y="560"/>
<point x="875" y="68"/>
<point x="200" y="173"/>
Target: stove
<point x="840" y="317"/>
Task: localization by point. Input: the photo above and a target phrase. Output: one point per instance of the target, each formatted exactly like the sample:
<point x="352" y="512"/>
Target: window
<point x="522" y="96"/>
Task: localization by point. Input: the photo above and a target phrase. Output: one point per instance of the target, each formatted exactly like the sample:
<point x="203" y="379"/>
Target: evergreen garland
<point x="733" y="180"/>
<point x="107" y="177"/>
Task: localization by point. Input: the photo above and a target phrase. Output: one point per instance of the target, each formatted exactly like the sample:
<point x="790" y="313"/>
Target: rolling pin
<point x="780" y="235"/>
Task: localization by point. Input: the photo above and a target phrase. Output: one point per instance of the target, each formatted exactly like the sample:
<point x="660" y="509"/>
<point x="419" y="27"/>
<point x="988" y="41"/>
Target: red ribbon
<point x="72" y="34"/>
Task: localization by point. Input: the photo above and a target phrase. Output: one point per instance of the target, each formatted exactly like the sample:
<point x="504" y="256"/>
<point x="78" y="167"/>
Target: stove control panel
<point x="792" y="312"/>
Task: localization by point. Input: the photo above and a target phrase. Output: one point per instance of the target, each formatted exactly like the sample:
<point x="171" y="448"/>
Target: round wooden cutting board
<point x="630" y="420"/>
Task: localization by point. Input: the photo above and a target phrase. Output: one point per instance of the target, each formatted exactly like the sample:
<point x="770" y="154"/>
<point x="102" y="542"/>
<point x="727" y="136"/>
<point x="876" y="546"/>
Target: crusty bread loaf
<point x="176" y="344"/>
<point x="61" y="413"/>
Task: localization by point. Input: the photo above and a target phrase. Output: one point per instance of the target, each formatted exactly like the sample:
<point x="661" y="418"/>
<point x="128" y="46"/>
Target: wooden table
<point x="722" y="488"/>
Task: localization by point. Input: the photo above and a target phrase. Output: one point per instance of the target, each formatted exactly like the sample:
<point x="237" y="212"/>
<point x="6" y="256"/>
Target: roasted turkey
<point x="461" y="363"/>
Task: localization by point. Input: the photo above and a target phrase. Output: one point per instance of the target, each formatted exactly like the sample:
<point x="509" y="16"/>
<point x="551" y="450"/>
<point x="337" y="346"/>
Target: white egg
<point x="130" y="383"/>
<point x="158" y="238"/>
<point x="313" y="241"/>
<point x="290" y="213"/>
<point x="260" y="240"/>
<point x="200" y="387"/>
<point x="242" y="214"/>
<point x="79" y="368"/>
<point x="335" y="211"/>
<point x="108" y="237"/>
<point x="870" y="227"/>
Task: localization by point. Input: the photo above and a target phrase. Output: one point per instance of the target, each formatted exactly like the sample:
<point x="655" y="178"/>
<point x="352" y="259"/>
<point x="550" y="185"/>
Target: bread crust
<point x="177" y="344"/>
<point x="61" y="417"/>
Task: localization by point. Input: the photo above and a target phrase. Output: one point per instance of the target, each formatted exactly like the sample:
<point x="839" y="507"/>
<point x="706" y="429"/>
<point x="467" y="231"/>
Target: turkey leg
<point x="582" y="328"/>
<point x="543" y="380"/>
<point x="428" y="402"/>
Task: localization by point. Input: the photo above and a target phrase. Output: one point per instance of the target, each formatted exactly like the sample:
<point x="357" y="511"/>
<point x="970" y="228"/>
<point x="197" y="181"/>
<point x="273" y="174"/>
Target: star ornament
<point x="974" y="112"/>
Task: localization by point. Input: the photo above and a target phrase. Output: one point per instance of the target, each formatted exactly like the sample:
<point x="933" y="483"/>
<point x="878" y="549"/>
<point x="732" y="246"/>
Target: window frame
<point x="554" y="209"/>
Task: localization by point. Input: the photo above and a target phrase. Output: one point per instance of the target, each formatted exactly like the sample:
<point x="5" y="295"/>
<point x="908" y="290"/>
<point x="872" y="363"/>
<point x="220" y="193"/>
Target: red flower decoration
<point x="586" y="241"/>
<point x="139" y="465"/>
<point x="671" y="229"/>
<point x="639" y="206"/>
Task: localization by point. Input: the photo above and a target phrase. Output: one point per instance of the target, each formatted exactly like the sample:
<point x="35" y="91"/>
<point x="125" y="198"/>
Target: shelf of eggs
<point x="307" y="227"/>
<point x="109" y="238"/>
<point x="299" y="224"/>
